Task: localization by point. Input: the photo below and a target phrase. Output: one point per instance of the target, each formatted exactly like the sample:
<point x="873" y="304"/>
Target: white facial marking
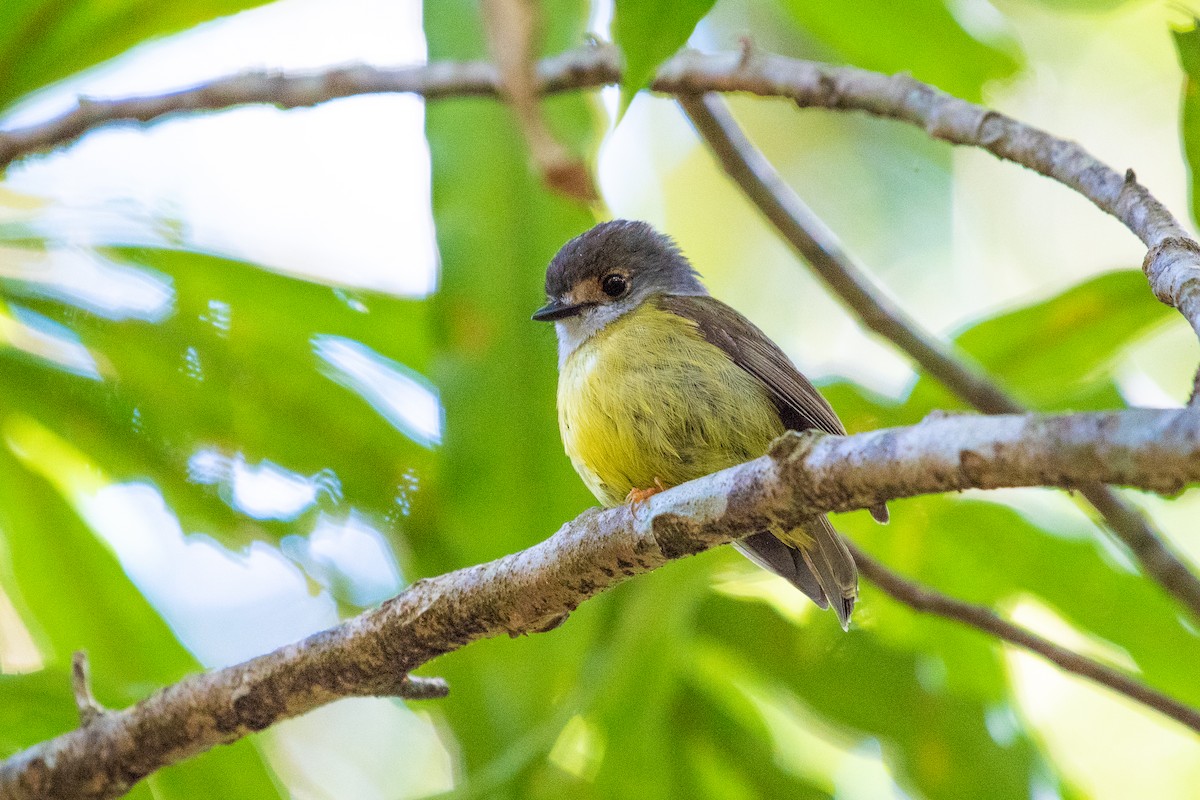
<point x="574" y="331"/>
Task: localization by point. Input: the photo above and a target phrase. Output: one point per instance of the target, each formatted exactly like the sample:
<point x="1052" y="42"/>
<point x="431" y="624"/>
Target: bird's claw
<point x="637" y="497"/>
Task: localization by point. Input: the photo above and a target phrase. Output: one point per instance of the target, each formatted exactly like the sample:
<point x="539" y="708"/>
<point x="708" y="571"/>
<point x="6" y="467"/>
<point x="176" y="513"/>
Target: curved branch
<point x="750" y="170"/>
<point x="528" y="592"/>
<point x="1172" y="263"/>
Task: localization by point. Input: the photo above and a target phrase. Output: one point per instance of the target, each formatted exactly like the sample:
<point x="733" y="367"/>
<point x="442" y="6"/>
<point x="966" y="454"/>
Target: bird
<point x="661" y="383"/>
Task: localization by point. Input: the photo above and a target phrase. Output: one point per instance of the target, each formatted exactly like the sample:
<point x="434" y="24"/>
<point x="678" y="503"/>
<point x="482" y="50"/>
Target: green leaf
<point x="43" y="41"/>
<point x="59" y="567"/>
<point x="921" y="38"/>
<point x="728" y="747"/>
<point x="1188" y="45"/>
<point x="1048" y="352"/>
<point x="1054" y="355"/>
<point x="237" y="363"/>
<point x="235" y="770"/>
<point x="34" y="707"/>
<point x="1057" y="354"/>
<point x="650" y="31"/>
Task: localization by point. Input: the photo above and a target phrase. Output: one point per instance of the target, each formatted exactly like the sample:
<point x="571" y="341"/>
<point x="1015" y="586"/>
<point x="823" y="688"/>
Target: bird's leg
<point x="638" y="496"/>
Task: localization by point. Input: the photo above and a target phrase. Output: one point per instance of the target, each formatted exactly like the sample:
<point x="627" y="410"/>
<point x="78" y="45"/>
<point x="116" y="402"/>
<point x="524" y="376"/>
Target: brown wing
<point x="799" y="404"/>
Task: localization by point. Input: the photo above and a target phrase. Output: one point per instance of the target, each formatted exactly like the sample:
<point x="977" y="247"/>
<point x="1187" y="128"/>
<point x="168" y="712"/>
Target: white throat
<point x="574" y="331"/>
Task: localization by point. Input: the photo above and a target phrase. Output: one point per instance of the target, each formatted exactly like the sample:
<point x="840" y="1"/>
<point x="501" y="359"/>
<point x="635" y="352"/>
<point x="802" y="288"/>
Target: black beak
<point x="556" y="310"/>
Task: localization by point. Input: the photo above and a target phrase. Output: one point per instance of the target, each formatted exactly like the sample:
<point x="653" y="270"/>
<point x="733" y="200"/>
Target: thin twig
<point x="514" y="33"/>
<point x="81" y="688"/>
<point x="751" y="171"/>
<point x="530" y="591"/>
<point x="928" y="601"/>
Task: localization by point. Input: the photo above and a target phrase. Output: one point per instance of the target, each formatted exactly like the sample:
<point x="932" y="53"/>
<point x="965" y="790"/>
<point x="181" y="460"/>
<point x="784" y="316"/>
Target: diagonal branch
<point x="750" y="169"/>
<point x="928" y="601"/>
<point x="525" y="592"/>
<point x="807" y="233"/>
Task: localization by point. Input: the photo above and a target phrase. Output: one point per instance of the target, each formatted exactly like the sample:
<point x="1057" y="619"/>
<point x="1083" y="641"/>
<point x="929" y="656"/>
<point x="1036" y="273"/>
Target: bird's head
<point x="608" y="271"/>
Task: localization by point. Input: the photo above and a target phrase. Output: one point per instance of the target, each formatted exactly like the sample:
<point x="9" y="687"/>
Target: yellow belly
<point x="648" y="398"/>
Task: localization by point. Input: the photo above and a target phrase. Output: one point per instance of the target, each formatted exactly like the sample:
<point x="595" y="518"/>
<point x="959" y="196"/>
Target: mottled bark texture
<point x="532" y="590"/>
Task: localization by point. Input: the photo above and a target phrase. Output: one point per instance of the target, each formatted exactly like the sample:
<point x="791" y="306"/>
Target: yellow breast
<point x="648" y="398"/>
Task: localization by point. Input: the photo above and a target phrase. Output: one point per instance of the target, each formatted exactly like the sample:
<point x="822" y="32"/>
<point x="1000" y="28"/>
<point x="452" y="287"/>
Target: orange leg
<point x="638" y="496"/>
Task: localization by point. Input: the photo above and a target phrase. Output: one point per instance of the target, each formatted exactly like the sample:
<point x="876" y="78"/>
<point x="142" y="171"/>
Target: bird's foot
<point x="638" y="496"/>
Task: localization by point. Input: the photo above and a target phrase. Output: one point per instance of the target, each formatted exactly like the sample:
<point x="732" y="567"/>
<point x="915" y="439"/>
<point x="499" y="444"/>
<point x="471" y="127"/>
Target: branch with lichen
<point x="533" y="590"/>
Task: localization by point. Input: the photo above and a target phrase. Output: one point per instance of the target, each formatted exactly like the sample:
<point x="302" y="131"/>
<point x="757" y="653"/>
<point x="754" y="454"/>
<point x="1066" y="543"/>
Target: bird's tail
<point x="819" y="564"/>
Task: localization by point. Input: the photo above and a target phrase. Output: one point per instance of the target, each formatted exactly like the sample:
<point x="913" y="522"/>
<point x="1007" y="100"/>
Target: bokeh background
<point x="261" y="369"/>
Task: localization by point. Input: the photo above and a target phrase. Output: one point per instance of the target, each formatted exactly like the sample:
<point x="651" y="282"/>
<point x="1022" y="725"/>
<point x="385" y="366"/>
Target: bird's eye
<point x="614" y="285"/>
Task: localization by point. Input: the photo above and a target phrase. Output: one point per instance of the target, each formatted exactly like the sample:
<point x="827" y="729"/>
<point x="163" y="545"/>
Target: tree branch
<point x="523" y="593"/>
<point x="1172" y="264"/>
<point x="576" y="69"/>
<point x="749" y="169"/>
<point x="811" y="238"/>
<point x="81" y="687"/>
<point x="928" y="601"/>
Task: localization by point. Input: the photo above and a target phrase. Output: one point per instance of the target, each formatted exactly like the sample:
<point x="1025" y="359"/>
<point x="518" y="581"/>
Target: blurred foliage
<point x="1188" y="45"/>
<point x="55" y="568"/>
<point x="42" y="41"/>
<point x="649" y="33"/>
<point x="1056" y="355"/>
<point x="925" y="40"/>
<point x="145" y="363"/>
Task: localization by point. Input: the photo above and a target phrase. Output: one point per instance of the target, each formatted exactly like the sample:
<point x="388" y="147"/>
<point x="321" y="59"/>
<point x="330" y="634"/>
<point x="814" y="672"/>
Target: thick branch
<point x="928" y="601"/>
<point x="524" y="592"/>
<point x="748" y="168"/>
